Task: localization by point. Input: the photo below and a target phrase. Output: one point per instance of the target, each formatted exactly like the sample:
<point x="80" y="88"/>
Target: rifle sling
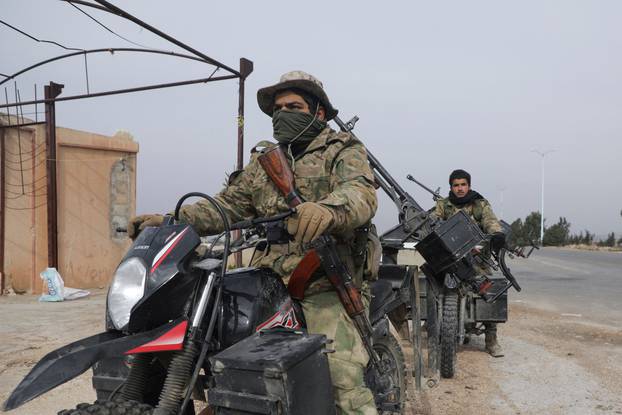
<point x="302" y="275"/>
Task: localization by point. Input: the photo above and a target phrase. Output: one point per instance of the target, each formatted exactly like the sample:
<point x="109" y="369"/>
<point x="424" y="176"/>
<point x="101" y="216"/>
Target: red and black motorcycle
<point x="178" y="324"/>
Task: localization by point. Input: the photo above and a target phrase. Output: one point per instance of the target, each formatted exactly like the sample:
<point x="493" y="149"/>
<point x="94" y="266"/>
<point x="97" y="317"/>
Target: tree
<point x="557" y="235"/>
<point x="531" y="228"/>
<point x="611" y="240"/>
<point x="516" y="233"/>
<point x="588" y="239"/>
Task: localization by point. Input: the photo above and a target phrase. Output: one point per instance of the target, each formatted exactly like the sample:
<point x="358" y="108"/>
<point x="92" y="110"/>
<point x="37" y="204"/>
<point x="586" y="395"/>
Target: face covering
<point x="295" y="126"/>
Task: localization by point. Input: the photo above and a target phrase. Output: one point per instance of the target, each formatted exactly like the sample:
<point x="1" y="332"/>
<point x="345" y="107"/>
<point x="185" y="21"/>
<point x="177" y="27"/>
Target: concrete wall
<point x="96" y="181"/>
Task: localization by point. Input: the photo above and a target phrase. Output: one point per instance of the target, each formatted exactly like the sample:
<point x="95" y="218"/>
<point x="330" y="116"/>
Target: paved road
<point x="572" y="282"/>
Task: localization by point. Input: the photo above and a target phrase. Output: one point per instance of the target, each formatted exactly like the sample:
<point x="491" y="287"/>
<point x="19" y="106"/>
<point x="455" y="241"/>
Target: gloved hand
<point x="138" y="223"/>
<point x="497" y="241"/>
<point x="310" y="221"/>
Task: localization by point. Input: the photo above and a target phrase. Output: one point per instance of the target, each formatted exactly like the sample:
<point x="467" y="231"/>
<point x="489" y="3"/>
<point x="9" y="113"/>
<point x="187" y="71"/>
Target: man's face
<point x="460" y="187"/>
<point x="294" y="102"/>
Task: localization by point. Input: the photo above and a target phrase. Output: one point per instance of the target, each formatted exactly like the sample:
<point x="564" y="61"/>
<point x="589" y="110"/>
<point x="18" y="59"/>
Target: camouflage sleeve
<point x="353" y="198"/>
<point x="490" y="224"/>
<point x="235" y="200"/>
<point x="439" y="210"/>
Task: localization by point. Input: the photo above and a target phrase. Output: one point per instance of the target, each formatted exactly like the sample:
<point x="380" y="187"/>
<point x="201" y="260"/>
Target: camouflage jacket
<point x="479" y="210"/>
<point x="332" y="171"/>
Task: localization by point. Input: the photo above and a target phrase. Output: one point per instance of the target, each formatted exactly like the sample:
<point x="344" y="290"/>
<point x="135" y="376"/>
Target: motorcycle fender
<point x="380" y="328"/>
<point x="69" y="361"/>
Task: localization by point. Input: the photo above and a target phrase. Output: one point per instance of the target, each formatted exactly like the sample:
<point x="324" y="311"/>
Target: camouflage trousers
<point x="325" y="315"/>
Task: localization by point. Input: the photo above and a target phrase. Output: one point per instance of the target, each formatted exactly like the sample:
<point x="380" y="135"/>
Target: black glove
<point x="497" y="241"/>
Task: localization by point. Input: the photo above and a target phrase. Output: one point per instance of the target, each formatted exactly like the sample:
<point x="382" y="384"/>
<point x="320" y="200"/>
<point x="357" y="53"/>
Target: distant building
<point x="96" y="185"/>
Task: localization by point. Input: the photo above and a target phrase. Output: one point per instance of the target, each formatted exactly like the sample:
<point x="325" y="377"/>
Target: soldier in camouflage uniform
<point x="461" y="197"/>
<point x="333" y="176"/>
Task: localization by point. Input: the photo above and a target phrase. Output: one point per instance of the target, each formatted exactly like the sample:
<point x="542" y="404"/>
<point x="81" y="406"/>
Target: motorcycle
<point x="465" y="296"/>
<point x="179" y="323"/>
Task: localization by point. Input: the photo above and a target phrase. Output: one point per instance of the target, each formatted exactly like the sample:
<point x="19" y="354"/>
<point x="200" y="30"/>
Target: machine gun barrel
<point x="382" y="176"/>
<point x="435" y="195"/>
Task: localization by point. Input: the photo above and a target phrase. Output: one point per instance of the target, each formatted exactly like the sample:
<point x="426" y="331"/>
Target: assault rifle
<point x="322" y="252"/>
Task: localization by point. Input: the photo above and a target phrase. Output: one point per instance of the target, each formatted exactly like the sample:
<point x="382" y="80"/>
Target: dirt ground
<point x="553" y="364"/>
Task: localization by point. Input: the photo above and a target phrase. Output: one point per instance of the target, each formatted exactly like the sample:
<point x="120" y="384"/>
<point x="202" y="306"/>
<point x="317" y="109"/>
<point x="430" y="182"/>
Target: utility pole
<point x="542" y="154"/>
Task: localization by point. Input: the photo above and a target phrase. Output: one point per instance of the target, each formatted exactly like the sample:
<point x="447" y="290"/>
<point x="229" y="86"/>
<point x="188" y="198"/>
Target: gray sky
<point x="438" y="85"/>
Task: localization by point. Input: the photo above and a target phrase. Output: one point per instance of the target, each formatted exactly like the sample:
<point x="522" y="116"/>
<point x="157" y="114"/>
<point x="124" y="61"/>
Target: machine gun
<point x="415" y="223"/>
<point x="435" y="193"/>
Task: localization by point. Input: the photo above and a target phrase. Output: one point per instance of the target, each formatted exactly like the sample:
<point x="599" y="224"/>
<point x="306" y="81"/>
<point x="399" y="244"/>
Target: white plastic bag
<point x="56" y="286"/>
<point x="74" y="293"/>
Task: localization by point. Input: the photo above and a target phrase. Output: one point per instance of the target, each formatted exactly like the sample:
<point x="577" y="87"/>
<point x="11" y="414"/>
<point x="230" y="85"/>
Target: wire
<point x="29" y="193"/>
<point x="26" y="184"/>
<point x="6" y="76"/>
<point x="29" y="167"/>
<point x="38" y="40"/>
<point x="36" y="156"/>
<point x="28" y="208"/>
<point x="108" y="29"/>
<point x="37" y="148"/>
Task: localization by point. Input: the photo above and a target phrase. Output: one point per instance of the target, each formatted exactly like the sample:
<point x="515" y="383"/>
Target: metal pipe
<point x="124" y="91"/>
<point x="51" y="91"/>
<point x="86" y="3"/>
<point x="28" y="124"/>
<point x="246" y="67"/>
<point x="199" y="312"/>
<point x="120" y="12"/>
<point x="2" y="208"/>
<point x="19" y="140"/>
<point x="101" y="50"/>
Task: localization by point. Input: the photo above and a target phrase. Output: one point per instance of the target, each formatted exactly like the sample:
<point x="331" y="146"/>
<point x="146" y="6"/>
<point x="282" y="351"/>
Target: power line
<point x="38" y="40"/>
<point x="108" y="29"/>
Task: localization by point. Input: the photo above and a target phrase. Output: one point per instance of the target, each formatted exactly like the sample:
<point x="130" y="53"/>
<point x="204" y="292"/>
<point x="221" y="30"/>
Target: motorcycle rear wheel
<point x="388" y="348"/>
<point x="449" y="335"/>
<point x="116" y="407"/>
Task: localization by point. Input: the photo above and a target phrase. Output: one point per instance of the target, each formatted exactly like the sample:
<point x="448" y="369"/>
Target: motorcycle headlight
<point x="127" y="288"/>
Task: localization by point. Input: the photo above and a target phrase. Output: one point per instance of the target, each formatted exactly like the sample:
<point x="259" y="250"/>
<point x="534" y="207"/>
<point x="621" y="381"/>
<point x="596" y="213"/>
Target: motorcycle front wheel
<point x="116" y="407"/>
<point x="449" y="335"/>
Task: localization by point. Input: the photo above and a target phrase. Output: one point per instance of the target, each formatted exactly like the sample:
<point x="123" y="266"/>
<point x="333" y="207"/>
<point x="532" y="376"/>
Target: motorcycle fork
<point x="184" y="368"/>
<point x="461" y="317"/>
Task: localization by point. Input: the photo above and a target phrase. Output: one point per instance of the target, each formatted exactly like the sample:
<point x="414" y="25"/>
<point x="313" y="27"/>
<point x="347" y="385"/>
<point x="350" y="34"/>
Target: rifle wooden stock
<point x="276" y="166"/>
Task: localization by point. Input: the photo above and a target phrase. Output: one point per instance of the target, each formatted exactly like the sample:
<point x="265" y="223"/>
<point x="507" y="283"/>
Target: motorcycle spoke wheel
<point x="390" y="353"/>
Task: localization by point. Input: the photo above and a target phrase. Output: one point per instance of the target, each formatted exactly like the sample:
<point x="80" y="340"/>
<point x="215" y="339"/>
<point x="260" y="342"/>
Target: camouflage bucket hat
<point x="300" y="80"/>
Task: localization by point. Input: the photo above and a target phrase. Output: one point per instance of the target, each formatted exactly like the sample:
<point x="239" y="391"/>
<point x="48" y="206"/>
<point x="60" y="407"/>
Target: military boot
<point x="492" y="345"/>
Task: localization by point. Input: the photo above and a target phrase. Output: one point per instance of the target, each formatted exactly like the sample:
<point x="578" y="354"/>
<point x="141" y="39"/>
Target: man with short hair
<point x="462" y="197"/>
<point x="333" y="176"/>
